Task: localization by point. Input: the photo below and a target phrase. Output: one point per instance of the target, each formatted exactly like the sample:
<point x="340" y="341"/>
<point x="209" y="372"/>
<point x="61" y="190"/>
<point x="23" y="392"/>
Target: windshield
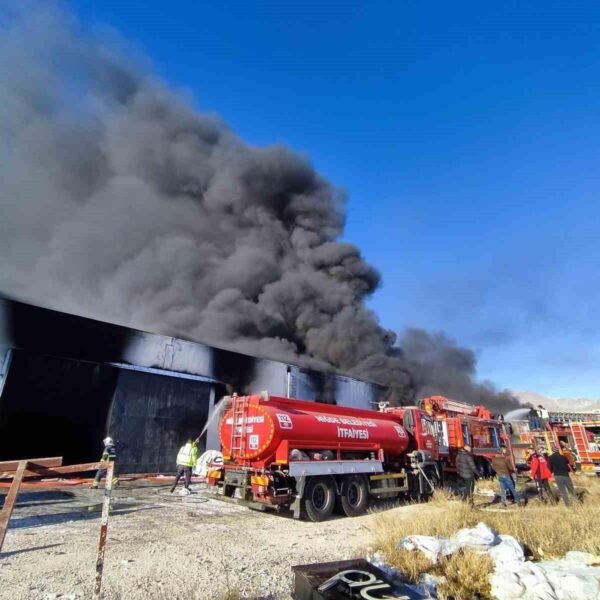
<point x="427" y="426"/>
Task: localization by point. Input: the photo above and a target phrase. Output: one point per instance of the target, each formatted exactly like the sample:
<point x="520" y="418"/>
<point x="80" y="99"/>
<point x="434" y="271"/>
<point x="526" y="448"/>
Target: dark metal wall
<point x="151" y="416"/>
<point x="60" y="407"/>
<point x="54" y="407"/>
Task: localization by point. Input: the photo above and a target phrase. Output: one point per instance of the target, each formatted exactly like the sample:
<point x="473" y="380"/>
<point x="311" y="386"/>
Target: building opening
<point x="54" y="406"/>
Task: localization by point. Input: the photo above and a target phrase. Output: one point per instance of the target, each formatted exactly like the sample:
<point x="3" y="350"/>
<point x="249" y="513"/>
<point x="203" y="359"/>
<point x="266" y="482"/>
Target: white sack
<point x="432" y="547"/>
<point x="572" y="578"/>
<point x="208" y="457"/>
<point x="508" y="550"/>
<point x="478" y="538"/>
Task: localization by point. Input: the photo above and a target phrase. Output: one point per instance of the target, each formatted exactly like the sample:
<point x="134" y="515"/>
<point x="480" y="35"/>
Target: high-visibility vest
<point x="188" y="455"/>
<point x="109" y="453"/>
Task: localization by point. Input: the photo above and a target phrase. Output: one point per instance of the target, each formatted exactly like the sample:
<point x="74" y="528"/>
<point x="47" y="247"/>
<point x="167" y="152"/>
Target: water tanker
<point x="275" y="426"/>
<point x="303" y="456"/>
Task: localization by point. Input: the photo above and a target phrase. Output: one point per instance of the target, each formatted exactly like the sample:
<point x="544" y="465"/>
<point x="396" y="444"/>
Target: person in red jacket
<point x="541" y="474"/>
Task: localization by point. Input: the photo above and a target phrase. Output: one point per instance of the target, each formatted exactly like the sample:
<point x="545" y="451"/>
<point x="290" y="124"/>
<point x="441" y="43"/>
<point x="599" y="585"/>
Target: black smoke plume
<point x="122" y="202"/>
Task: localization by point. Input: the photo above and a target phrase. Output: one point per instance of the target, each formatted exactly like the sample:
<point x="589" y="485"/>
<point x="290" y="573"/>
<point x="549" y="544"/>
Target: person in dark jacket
<point x="467" y="471"/>
<point x="534" y="420"/>
<point x="559" y="465"/>
<point x="504" y="470"/>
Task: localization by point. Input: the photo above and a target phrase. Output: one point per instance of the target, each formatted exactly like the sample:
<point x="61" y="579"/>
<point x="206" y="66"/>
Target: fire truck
<point x="459" y="423"/>
<point x="309" y="457"/>
<point x="579" y="431"/>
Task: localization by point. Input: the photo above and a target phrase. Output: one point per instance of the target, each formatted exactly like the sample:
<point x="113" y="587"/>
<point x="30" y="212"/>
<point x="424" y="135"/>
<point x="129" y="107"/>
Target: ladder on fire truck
<point x="239" y="410"/>
<point x="545" y="437"/>
<point x="452" y="427"/>
<point x="581" y="442"/>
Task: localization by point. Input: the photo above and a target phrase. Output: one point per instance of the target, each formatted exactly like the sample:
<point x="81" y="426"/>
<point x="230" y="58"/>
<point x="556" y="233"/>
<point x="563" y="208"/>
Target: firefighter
<point x="534" y="420"/>
<point x="541" y="474"/>
<point x="568" y="454"/>
<point x="186" y="460"/>
<point x="529" y="452"/>
<point x="467" y="471"/>
<point x="504" y="471"/>
<point x="544" y="417"/>
<point x="109" y="454"/>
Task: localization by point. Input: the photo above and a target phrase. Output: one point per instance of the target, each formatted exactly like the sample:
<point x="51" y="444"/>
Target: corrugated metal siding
<point x="151" y="417"/>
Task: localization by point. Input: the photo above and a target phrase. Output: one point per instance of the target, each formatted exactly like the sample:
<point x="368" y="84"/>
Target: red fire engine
<point x="578" y="431"/>
<point x="306" y="456"/>
<point x="460" y="423"/>
<point x="581" y="434"/>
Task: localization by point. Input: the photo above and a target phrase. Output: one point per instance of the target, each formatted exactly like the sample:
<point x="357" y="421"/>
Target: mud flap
<point x="297" y="504"/>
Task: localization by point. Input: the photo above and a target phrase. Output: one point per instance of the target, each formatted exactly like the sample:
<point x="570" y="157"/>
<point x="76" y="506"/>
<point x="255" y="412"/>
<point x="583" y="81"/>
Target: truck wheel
<point x="319" y="498"/>
<point x="485" y="467"/>
<point x="355" y="495"/>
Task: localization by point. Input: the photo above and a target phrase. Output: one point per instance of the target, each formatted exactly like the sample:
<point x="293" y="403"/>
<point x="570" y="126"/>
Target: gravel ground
<point x="163" y="546"/>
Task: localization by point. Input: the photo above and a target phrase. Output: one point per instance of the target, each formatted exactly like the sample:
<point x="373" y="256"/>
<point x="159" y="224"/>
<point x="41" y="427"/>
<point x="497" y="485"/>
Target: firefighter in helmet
<point x="109" y="454"/>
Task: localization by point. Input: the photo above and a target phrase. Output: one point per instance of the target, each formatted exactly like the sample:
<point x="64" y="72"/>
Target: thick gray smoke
<point x="439" y="366"/>
<point x="122" y="202"/>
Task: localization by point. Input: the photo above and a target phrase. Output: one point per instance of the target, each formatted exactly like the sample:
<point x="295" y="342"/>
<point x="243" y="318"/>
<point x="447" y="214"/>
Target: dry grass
<point x="230" y="595"/>
<point x="464" y="576"/>
<point x="545" y="531"/>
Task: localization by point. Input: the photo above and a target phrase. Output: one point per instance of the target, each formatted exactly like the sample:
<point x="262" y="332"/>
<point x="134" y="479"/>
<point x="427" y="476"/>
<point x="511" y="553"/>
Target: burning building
<point x="66" y="381"/>
<point x="120" y="200"/>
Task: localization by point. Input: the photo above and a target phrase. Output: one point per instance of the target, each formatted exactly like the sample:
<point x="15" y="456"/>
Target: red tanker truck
<point x="311" y="457"/>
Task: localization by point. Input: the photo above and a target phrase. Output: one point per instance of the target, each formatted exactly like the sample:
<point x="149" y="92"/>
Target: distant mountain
<point x="573" y="404"/>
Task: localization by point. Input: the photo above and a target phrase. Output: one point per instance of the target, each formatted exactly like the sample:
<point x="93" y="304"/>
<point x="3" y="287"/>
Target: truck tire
<point x="485" y="467"/>
<point x="319" y="498"/>
<point x="355" y="495"/>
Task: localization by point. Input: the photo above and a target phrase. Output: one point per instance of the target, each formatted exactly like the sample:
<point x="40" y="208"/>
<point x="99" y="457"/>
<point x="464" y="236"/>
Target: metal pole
<point x="103" y="529"/>
<point x="11" y="497"/>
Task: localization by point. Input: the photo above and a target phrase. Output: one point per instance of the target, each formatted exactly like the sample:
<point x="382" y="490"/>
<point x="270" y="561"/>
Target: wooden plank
<point x="82" y="468"/>
<point x="55" y="471"/>
<point x="11" y="474"/>
<point x="9" y="503"/>
<point x="103" y="530"/>
<point x="13" y="465"/>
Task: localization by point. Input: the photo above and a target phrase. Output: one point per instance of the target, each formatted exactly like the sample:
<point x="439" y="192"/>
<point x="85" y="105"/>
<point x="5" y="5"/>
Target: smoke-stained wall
<point x="72" y="380"/>
<point x="151" y="414"/>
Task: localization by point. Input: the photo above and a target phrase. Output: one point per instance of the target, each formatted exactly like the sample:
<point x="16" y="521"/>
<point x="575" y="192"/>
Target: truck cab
<point x="421" y="427"/>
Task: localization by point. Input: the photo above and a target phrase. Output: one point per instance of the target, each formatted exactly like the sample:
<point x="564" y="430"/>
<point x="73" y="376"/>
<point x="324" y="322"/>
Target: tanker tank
<point x="266" y="424"/>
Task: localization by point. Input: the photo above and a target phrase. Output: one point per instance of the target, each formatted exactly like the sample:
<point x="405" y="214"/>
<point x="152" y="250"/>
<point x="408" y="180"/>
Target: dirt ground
<point x="163" y="546"/>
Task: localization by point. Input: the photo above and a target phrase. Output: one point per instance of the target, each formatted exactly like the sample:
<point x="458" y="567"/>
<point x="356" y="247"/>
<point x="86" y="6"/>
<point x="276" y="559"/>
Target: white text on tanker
<point x="346" y="421"/>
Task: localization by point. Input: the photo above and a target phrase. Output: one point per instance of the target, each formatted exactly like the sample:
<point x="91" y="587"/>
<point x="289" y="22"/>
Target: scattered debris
<point x="573" y="577"/>
<point x="349" y="579"/>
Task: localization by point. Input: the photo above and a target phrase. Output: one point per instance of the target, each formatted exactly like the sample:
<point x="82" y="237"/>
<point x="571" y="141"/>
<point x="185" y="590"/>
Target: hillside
<point x="574" y="404"/>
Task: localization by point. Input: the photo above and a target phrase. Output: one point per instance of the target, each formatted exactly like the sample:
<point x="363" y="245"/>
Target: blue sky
<point x="466" y="135"/>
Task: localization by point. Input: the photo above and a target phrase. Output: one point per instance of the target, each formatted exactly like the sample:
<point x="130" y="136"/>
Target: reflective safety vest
<point x="109" y="453"/>
<point x="188" y="455"/>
